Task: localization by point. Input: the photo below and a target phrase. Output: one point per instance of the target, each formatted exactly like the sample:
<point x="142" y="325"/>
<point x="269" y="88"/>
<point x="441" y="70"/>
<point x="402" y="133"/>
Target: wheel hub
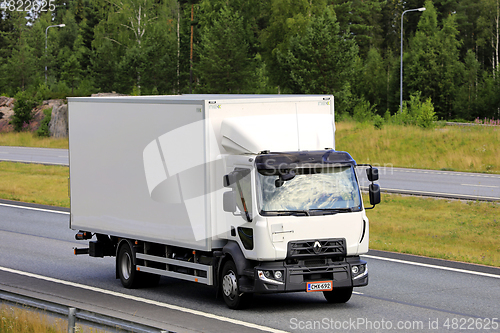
<point x="229" y="285"/>
<point x="126" y="266"/>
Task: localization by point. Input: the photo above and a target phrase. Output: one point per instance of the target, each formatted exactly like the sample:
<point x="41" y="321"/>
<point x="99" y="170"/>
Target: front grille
<point x="334" y="247"/>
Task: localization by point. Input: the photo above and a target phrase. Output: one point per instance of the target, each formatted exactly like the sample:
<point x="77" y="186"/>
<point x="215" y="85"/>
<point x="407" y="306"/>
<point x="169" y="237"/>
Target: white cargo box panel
<point x="150" y="167"/>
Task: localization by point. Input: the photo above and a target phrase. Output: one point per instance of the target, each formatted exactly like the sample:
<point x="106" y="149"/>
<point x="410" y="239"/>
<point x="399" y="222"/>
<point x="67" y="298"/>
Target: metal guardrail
<point x="77" y="316"/>
<point x="436" y="195"/>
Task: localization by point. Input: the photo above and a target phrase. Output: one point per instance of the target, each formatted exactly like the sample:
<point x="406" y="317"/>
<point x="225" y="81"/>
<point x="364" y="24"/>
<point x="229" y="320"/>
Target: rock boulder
<point x="58" y="126"/>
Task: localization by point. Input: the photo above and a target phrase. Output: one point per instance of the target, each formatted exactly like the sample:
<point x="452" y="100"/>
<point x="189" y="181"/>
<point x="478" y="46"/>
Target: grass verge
<point x="28" y="139"/>
<point x="465" y="231"/>
<point x="15" y="320"/>
<point x="438" y="228"/>
<point x="468" y="148"/>
<point x="43" y="184"/>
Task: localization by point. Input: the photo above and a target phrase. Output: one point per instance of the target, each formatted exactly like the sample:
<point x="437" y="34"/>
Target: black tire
<point x="233" y="298"/>
<point x="339" y="295"/>
<point x="129" y="276"/>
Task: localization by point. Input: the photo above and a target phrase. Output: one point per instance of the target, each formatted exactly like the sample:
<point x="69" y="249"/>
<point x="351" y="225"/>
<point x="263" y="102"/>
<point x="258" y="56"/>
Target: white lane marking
<point x="439" y="193"/>
<point x="434" y="266"/>
<point x="479" y="185"/>
<point x="34" y="208"/>
<point x="145" y="300"/>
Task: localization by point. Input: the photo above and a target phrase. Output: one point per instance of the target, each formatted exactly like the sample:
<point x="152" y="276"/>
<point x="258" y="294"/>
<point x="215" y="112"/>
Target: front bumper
<point x="294" y="277"/>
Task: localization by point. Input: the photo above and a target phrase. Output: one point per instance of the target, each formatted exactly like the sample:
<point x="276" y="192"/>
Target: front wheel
<point x="339" y="295"/>
<point x="230" y="292"/>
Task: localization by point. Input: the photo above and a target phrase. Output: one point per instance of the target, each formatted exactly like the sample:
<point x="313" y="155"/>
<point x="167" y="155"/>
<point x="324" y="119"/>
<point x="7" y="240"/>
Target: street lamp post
<point x="401" y="67"/>
<point x="50" y="26"/>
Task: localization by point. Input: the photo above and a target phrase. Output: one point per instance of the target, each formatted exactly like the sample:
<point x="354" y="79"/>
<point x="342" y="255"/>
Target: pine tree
<point x="432" y="63"/>
<point x="225" y="65"/>
<point x="321" y="60"/>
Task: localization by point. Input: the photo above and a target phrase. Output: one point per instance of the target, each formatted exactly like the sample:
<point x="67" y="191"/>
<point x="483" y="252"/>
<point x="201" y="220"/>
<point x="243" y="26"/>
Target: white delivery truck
<point x="245" y="193"/>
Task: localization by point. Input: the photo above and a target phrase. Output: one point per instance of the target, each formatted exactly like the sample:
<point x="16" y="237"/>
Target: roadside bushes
<point x="43" y="130"/>
<point x="416" y="112"/>
<point x="23" y="111"/>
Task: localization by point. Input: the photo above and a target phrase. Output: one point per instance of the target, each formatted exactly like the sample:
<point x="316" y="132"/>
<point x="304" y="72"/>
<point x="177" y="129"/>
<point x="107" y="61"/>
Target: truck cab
<point x="305" y="211"/>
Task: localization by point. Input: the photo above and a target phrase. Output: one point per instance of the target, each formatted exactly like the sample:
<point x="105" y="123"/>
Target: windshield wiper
<point x="331" y="211"/>
<point x="284" y="212"/>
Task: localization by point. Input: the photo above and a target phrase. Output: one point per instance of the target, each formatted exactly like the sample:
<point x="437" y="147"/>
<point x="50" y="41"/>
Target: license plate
<point x="319" y="286"/>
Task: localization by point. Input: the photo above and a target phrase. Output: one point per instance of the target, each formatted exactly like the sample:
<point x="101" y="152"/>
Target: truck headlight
<point x="273" y="277"/>
<point x="355" y="270"/>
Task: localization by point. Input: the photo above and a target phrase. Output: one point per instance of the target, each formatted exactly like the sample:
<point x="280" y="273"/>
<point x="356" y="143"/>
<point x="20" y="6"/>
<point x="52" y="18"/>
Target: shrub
<point x="378" y="122"/>
<point x="426" y="115"/>
<point x="43" y="130"/>
<point x="363" y="111"/>
<point x="416" y="113"/>
<point x="23" y="111"/>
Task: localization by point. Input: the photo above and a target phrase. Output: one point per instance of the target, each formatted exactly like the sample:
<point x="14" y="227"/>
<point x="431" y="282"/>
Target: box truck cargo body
<point x="242" y="192"/>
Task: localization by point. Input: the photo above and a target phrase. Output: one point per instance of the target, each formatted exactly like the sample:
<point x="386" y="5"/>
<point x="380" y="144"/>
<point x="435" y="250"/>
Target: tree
<point x="225" y="65"/>
<point x="374" y="76"/>
<point x="287" y="18"/>
<point x="321" y="60"/>
<point x="19" y="67"/>
<point x="129" y="24"/>
<point x="489" y="23"/>
<point x="432" y="64"/>
<point x="466" y="105"/>
<point x="362" y="20"/>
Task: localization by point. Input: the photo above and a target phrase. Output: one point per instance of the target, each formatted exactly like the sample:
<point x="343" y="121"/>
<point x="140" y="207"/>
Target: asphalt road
<point x="405" y="293"/>
<point x="34" y="155"/>
<point x="474" y="186"/>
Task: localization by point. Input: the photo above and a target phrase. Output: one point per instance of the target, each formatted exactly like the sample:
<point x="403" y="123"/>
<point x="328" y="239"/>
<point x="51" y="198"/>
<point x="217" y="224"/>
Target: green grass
<point x="28" y="139"/>
<point x="27" y="320"/>
<point x="15" y="320"/>
<point x="454" y="230"/>
<point x="469" y="148"/>
<point x="439" y="228"/>
<point x="47" y="185"/>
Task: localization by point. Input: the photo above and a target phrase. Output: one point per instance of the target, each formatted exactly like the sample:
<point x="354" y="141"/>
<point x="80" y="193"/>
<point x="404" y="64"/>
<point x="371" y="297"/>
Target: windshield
<point x="309" y="192"/>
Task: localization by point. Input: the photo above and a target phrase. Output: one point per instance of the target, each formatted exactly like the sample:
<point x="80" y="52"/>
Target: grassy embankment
<point x="456" y="148"/>
<point x="26" y="139"/>
<point x="455" y="230"/>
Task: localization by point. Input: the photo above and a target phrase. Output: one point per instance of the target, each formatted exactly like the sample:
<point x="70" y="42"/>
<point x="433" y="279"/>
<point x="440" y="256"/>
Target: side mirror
<point x="372" y="174"/>
<point x="374" y="193"/>
<point x="228" y="202"/>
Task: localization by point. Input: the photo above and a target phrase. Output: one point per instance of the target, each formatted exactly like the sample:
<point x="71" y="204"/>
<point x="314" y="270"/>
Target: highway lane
<point x="453" y="184"/>
<point x="474" y="186"/>
<point x="49" y="156"/>
<point x="405" y="296"/>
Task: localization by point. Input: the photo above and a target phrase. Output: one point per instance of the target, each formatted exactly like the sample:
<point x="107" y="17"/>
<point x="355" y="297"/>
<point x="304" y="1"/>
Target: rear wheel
<point x="339" y="295"/>
<point x="129" y="276"/>
<point x="229" y="285"/>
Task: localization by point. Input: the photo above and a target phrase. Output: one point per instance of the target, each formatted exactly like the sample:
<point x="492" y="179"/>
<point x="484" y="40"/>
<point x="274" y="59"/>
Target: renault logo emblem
<point x="317" y="247"/>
